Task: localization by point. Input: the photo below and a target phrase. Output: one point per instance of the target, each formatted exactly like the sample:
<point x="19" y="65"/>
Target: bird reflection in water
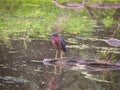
<point x="56" y="79"/>
<point x="59" y="44"/>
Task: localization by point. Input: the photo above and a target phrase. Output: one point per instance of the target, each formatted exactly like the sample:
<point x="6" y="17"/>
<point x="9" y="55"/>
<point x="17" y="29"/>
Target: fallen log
<point x="76" y="61"/>
<point x="90" y="64"/>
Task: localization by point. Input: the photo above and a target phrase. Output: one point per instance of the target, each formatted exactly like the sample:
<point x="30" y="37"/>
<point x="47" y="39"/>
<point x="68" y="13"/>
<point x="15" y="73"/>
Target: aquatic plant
<point x="106" y="55"/>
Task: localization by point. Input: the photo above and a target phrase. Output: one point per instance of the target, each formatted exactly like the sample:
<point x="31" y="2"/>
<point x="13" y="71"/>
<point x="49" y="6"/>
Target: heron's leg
<point x="55" y="69"/>
<point x="60" y="69"/>
<point x="56" y="54"/>
<point x="61" y="55"/>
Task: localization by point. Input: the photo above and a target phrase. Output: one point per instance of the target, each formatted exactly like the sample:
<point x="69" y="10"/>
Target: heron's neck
<point x="56" y="40"/>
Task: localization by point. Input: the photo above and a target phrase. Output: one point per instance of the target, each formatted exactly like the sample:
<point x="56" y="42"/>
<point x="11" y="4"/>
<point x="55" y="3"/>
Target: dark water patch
<point x="26" y="63"/>
<point x="5" y="71"/>
<point x="11" y="79"/>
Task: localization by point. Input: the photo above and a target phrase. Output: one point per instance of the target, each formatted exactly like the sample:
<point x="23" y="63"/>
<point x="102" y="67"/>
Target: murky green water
<point x="22" y="68"/>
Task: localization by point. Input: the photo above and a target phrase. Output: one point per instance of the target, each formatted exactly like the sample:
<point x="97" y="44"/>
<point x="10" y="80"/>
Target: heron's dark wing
<point x="63" y="44"/>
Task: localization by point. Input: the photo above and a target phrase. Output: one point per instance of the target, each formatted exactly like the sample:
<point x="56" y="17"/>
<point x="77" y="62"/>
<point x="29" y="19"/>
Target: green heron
<point x="59" y="44"/>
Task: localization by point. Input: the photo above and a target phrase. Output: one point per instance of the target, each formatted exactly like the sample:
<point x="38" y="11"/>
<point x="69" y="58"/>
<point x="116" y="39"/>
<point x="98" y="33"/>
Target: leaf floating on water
<point x="98" y="80"/>
<point x="1" y="65"/>
<point x="35" y="61"/>
<point x="10" y="79"/>
<point x="12" y="52"/>
<point x="86" y="74"/>
<point x="5" y="67"/>
<point x="91" y="77"/>
<point x="0" y="77"/>
<point x="79" y="67"/>
<point x="43" y="82"/>
<point x="113" y="42"/>
<point x="7" y="78"/>
<point x="23" y="65"/>
<point x="14" y="69"/>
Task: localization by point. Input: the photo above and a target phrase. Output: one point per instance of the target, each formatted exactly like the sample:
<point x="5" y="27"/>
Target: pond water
<point x="21" y="68"/>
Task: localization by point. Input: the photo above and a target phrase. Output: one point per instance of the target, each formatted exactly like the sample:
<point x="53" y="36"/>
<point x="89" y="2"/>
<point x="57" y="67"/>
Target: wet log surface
<point x="90" y="64"/>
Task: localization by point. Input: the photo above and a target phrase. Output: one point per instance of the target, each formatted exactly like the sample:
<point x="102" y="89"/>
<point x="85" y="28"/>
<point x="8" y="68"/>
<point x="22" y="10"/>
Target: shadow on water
<point x="22" y="68"/>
